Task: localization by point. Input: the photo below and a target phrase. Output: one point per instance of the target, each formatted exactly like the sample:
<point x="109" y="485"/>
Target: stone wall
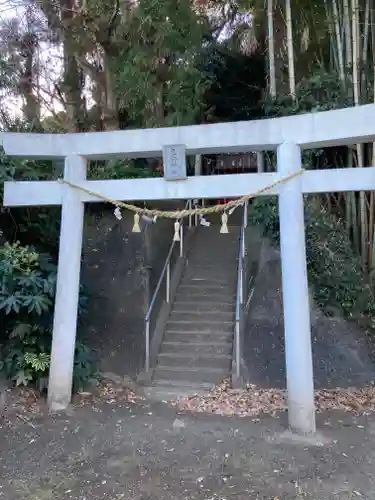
<point x="341" y="357"/>
<point x="120" y="270"/>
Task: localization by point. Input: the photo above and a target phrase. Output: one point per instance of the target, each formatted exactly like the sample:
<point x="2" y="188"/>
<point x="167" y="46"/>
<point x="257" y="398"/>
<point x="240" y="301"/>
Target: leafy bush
<point x="320" y="92"/>
<point x="27" y="282"/>
<point x="26" y="354"/>
<point x="335" y="270"/>
<point x="27" y="289"/>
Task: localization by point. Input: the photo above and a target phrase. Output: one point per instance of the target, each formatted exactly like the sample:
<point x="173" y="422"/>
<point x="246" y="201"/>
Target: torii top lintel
<point x="320" y="129"/>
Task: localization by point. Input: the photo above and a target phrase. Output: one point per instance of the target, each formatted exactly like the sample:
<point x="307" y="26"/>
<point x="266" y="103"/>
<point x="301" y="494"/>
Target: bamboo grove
<point x="77" y="65"/>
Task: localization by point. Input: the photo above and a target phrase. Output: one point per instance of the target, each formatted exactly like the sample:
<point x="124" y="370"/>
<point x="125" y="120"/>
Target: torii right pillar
<point x="298" y="351"/>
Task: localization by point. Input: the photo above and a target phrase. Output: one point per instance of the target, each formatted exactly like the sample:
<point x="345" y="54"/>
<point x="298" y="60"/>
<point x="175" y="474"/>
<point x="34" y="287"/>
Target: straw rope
<point x="180" y="214"/>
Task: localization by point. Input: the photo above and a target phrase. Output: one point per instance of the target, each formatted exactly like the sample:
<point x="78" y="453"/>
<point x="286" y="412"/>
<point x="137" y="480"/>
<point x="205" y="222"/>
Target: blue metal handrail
<point x="240" y="290"/>
<point x="165" y="268"/>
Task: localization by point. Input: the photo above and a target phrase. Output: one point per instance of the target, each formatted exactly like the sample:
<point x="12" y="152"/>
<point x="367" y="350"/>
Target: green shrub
<point x="27" y="289"/>
<point x="334" y="268"/>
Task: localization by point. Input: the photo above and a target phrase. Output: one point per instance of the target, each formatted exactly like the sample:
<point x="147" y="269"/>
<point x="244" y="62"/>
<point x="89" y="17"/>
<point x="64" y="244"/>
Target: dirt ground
<point x="112" y="449"/>
<point x="112" y="445"/>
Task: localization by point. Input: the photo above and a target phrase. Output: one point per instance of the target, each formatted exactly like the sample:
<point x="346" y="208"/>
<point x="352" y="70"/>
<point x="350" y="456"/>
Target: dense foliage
<point x="335" y="269"/>
<point x="166" y="41"/>
<point x="27" y="288"/>
<point x="320" y="91"/>
<point x="101" y="65"/>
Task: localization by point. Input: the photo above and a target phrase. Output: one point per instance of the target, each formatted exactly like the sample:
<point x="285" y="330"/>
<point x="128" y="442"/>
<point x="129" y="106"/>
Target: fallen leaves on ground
<point x="224" y="400"/>
<point x="107" y="392"/>
<point x="23" y="400"/>
<point x="253" y="400"/>
<point x="22" y="403"/>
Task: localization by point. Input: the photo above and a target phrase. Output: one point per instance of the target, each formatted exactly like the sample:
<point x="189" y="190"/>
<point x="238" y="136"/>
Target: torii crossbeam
<point x="286" y="135"/>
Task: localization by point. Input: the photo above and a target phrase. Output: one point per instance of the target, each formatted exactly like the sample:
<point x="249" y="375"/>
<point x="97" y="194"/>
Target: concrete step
<point x="224" y="290"/>
<point x="225" y="294"/>
<point x="208" y="287"/>
<point x="215" y="234"/>
<point x="200" y="336"/>
<point x="190" y="374"/>
<point x="214" y="258"/>
<point x="215" y="237"/>
<point x="214" y="249"/>
<point x="172" y="390"/>
<point x="209" y="284"/>
<point x="202" y="316"/>
<point x="203" y="299"/>
<point x="196" y="348"/>
<point x="202" y="306"/>
<point x="167" y="393"/>
<point x="200" y="325"/>
<point x="210" y="279"/>
<point x="199" y="362"/>
<point x="201" y="386"/>
<point x="209" y="267"/>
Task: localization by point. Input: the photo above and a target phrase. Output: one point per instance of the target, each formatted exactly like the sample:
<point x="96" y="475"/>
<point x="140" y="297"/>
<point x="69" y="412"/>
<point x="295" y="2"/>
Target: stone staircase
<point x="196" y="351"/>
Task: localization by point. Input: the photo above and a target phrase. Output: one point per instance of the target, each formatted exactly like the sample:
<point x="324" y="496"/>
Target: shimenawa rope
<point x="180" y="214"/>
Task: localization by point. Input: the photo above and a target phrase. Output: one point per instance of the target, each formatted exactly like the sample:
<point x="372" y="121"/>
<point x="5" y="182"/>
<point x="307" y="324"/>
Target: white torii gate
<point x="286" y="135"/>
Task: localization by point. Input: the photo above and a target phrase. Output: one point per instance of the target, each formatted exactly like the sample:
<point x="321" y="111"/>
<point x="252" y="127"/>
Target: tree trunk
<point x="72" y="79"/>
<point x="31" y="107"/>
<point x="279" y="36"/>
<point x="110" y="108"/>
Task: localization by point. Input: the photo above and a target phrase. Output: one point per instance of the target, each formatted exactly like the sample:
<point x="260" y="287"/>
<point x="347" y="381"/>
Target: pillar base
<point x="55" y="407"/>
<point x="301" y="419"/>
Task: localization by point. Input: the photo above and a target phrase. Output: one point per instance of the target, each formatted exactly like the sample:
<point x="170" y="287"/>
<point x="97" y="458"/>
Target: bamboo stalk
<point x="333" y="52"/>
<point x="372" y="194"/>
<point x="340" y="50"/>
<point x="355" y="54"/>
<point x="271" y="48"/>
<point x="350" y="197"/>
<point x="371" y="230"/>
<point x="289" y="31"/>
<point x="356" y="90"/>
<point x="366" y="30"/>
<point x="347" y="31"/>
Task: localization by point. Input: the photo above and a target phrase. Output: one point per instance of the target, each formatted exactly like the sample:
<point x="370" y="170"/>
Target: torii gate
<point x="286" y="135"/>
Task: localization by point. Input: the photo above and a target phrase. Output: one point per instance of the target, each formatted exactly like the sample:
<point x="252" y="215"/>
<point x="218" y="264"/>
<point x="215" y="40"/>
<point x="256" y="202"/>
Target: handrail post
<point x="241" y="284"/>
<point x="147" y="361"/>
<point x="238" y="355"/>
<point x="190" y="216"/>
<point x="168" y="281"/>
<point x="241" y="292"/>
<point x="181" y="240"/>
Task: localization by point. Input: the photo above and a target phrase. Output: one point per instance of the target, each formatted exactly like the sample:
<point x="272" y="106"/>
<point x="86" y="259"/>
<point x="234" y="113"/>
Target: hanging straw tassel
<point x="224" y="224"/>
<point x="117" y="213"/>
<point x="176" y="236"/>
<point x="136" y="227"/>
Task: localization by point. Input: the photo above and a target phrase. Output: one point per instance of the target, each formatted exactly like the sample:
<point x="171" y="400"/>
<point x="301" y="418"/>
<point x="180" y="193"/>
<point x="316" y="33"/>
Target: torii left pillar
<point x="67" y="287"/>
